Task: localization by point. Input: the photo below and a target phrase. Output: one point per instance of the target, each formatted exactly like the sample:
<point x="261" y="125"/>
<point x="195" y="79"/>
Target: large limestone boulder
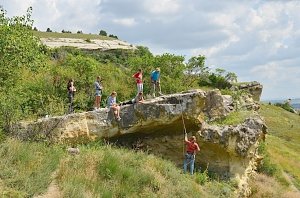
<point x="157" y="126"/>
<point x="163" y="113"/>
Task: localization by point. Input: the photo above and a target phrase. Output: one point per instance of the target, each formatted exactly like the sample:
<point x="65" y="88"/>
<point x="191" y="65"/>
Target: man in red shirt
<point x="191" y="148"/>
<point x="139" y="80"/>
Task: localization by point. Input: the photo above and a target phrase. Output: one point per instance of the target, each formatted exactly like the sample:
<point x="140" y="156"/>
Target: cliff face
<point x="156" y="126"/>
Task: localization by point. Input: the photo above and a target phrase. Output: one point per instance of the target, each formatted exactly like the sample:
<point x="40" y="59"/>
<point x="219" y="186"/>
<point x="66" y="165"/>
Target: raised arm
<point x="185" y="138"/>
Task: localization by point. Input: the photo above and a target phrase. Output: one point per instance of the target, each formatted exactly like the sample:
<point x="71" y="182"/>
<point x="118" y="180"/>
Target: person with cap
<point x="155" y="81"/>
<point x="191" y="149"/>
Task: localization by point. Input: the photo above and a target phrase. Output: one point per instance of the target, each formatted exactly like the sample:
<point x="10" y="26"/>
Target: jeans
<point x="189" y="159"/>
<point x="71" y="99"/>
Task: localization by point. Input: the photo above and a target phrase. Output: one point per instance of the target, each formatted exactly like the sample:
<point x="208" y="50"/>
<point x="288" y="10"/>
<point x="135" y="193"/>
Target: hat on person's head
<point x="157" y="69"/>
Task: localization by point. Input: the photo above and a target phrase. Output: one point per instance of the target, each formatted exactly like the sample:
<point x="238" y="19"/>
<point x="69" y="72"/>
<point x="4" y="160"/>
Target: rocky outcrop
<point x="92" y="44"/>
<point x="157" y="127"/>
<point x="254" y="88"/>
<point x="156" y="115"/>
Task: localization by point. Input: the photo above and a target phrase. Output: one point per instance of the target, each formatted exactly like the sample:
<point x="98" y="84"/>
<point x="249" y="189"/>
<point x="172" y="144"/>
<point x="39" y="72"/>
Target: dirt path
<point x="289" y="178"/>
<point x="53" y="189"/>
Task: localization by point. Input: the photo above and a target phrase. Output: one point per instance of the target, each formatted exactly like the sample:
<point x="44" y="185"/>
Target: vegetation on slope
<point x="98" y="171"/>
<point x="283" y="140"/>
<point x="70" y="35"/>
<point x="281" y="152"/>
<point x="26" y="168"/>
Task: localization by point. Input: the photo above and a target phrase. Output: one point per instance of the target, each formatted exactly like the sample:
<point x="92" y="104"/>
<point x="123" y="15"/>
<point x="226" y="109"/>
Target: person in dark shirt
<point x="98" y="93"/>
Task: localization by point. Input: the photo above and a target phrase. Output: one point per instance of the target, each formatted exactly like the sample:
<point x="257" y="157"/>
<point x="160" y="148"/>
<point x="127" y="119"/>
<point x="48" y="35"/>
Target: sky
<point x="259" y="40"/>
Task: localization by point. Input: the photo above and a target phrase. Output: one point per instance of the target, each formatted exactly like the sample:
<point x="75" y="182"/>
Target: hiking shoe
<point x="119" y="118"/>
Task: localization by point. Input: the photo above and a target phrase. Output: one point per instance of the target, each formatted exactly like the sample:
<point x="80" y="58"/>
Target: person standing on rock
<point x="191" y="149"/>
<point x="71" y="92"/>
<point x="112" y="104"/>
<point x="98" y="93"/>
<point x="139" y="80"/>
<point x="155" y="81"/>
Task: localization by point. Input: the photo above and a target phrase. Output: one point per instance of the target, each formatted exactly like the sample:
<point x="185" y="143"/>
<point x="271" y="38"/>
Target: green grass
<point x="70" y="35"/>
<point x="111" y="172"/>
<point x="99" y="171"/>
<point x="234" y="118"/>
<point x="26" y="168"/>
<point x="282" y="142"/>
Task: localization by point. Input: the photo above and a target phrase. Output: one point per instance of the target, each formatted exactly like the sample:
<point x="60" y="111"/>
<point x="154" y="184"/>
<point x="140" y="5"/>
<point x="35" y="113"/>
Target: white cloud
<point x="162" y="7"/>
<point x="258" y="40"/>
<point x="129" y="22"/>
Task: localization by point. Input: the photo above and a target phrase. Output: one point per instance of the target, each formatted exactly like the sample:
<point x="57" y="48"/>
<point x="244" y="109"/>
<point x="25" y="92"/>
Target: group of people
<point x="191" y="146"/>
<point x="155" y="81"/>
<point x="112" y="101"/>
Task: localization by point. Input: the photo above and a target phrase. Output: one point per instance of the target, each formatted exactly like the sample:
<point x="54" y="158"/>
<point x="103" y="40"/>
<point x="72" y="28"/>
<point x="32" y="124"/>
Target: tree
<point x="220" y="71"/>
<point x="79" y="32"/>
<point x="231" y="77"/>
<point x="113" y="36"/>
<point x="195" y="69"/>
<point x="48" y="30"/>
<point x="102" y="33"/>
<point x="21" y="53"/>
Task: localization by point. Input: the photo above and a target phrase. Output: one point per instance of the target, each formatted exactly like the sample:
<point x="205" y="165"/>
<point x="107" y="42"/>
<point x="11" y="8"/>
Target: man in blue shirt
<point x="155" y="81"/>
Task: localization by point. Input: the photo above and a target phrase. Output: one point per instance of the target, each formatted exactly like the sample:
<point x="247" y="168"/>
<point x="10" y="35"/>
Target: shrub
<point x="215" y="80"/>
<point x="202" y="178"/>
<point x="102" y="33"/>
<point x="286" y="106"/>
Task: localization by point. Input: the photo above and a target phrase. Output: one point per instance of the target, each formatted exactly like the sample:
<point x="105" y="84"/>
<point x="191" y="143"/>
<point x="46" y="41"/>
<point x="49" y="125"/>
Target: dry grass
<point x="268" y="187"/>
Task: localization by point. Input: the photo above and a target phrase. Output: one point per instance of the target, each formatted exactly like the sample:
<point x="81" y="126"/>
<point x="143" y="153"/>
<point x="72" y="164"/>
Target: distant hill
<point x="81" y="41"/>
<point x="295" y="103"/>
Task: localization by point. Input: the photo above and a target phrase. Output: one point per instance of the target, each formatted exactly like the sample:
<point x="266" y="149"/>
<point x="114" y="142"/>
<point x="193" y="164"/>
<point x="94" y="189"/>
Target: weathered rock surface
<point x="160" y="114"/>
<point x="254" y="88"/>
<point x="156" y="126"/>
<point x="83" y="44"/>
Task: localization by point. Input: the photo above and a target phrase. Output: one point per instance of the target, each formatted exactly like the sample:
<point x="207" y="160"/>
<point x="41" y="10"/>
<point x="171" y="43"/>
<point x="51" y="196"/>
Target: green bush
<point x="216" y="81"/>
<point x="286" y="106"/>
<point x="202" y="178"/>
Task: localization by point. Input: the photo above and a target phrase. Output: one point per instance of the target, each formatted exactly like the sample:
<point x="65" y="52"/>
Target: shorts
<point x="98" y="92"/>
<point x="140" y="87"/>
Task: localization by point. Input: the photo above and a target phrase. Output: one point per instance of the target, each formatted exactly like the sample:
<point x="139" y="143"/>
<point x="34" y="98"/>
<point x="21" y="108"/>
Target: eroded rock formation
<point x="157" y="127"/>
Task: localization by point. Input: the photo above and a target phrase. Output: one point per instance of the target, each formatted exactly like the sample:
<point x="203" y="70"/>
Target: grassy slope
<point x="283" y="140"/>
<point x="99" y="171"/>
<point x="70" y="35"/>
